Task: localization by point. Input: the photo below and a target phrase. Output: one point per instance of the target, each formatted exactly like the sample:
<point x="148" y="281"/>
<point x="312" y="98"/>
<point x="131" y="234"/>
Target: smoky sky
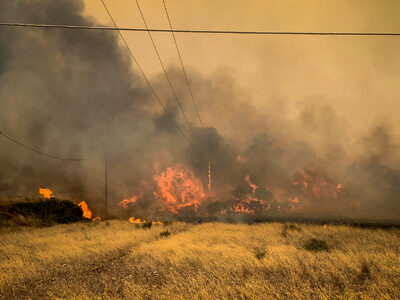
<point x="77" y="94"/>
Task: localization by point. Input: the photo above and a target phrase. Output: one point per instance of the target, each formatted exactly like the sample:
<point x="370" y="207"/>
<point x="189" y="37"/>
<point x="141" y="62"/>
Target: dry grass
<point x="206" y="261"/>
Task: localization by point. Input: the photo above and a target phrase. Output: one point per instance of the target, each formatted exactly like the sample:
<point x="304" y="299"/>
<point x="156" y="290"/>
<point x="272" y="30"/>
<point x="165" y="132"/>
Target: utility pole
<point x="105" y="181"/>
<point x="209" y="175"/>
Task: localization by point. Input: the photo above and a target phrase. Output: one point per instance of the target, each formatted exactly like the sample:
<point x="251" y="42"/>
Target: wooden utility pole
<point x="105" y="181"/>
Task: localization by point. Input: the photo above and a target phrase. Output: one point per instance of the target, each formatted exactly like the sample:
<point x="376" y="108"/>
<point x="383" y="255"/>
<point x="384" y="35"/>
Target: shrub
<point x="365" y="272"/>
<point x="147" y="225"/>
<point x="43" y="213"/>
<point x="287" y="227"/>
<point x="315" y="244"/>
<point x="259" y="252"/>
<point x="165" y="233"/>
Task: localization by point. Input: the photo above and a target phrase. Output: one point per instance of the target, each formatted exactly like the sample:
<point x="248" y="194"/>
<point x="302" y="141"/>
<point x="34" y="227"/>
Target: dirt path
<point x="103" y="275"/>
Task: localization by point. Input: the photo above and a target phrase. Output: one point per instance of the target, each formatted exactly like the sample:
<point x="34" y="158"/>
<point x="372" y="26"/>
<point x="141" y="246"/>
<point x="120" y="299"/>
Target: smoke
<point x="76" y="94"/>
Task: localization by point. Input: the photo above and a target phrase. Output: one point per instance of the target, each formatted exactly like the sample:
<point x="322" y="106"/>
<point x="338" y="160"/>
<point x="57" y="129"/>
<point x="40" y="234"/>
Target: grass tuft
<point x="260" y="252"/>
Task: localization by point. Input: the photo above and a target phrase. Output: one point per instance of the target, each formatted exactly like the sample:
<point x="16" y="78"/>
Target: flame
<point x="253" y="186"/>
<point x="240" y="159"/>
<point x="178" y="188"/>
<point x="241" y="209"/>
<point x="325" y="226"/>
<point x="87" y="213"/>
<point x="310" y="186"/>
<point x="96" y="219"/>
<point x="133" y="220"/>
<point x="124" y="203"/>
<point x="46" y="193"/>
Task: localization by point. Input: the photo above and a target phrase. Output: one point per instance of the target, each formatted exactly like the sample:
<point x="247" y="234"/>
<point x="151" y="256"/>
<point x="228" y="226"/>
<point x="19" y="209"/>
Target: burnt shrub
<point x="48" y="212"/>
<point x="165" y="233"/>
<point x="315" y="244"/>
<point x="147" y="225"/>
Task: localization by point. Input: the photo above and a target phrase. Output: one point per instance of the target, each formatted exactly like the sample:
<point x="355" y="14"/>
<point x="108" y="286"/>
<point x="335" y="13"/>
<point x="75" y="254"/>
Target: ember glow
<point x="46" y="193"/>
<point x="178" y="188"/>
<point x="87" y="213"/>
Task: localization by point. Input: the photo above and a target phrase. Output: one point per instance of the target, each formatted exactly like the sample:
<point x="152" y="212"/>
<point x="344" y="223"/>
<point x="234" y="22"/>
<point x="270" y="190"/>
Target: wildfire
<point x="124" y="203"/>
<point x="87" y="213"/>
<point x="325" y="226"/>
<point x="179" y="188"/>
<point x="46" y="193"/>
<point x="308" y="186"/>
<point x="133" y="220"/>
<point x="253" y="186"/>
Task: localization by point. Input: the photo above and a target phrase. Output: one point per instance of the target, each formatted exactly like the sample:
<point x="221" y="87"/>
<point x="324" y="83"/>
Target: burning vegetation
<point x="265" y="163"/>
<point x="178" y="192"/>
<point x="46" y="193"/>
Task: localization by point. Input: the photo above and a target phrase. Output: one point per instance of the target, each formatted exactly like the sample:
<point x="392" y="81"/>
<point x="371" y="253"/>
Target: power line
<point x="189" y="87"/>
<point x="39" y="152"/>
<point x="143" y="74"/>
<point x="164" y="70"/>
<point x="182" y="65"/>
<point x="199" y="31"/>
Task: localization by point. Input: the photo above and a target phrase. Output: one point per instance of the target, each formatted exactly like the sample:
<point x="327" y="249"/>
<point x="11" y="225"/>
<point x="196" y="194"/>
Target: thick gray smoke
<point x="75" y="94"/>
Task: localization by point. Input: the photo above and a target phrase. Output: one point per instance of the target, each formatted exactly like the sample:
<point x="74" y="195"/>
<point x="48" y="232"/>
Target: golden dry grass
<point x="208" y="261"/>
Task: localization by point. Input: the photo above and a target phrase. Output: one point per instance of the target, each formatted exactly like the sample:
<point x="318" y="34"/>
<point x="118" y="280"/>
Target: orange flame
<point x="311" y="185"/>
<point x="253" y="186"/>
<point x="96" y="219"/>
<point x="240" y="159"/>
<point x="178" y="188"/>
<point x="133" y="220"/>
<point x="87" y="213"/>
<point x="325" y="226"/>
<point x="124" y="203"/>
<point x="46" y="193"/>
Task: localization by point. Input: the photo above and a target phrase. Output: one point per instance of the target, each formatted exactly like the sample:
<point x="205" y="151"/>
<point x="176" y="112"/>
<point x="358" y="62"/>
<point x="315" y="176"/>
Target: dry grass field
<point x="118" y="260"/>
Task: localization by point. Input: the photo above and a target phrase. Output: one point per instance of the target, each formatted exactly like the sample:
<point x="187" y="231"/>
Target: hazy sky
<point x="357" y="76"/>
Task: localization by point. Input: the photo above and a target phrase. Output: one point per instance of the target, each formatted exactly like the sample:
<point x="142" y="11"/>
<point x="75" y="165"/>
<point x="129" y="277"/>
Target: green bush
<point x="315" y="244"/>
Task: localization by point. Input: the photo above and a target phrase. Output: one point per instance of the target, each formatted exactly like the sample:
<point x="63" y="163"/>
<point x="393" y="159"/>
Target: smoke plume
<point x="75" y="93"/>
